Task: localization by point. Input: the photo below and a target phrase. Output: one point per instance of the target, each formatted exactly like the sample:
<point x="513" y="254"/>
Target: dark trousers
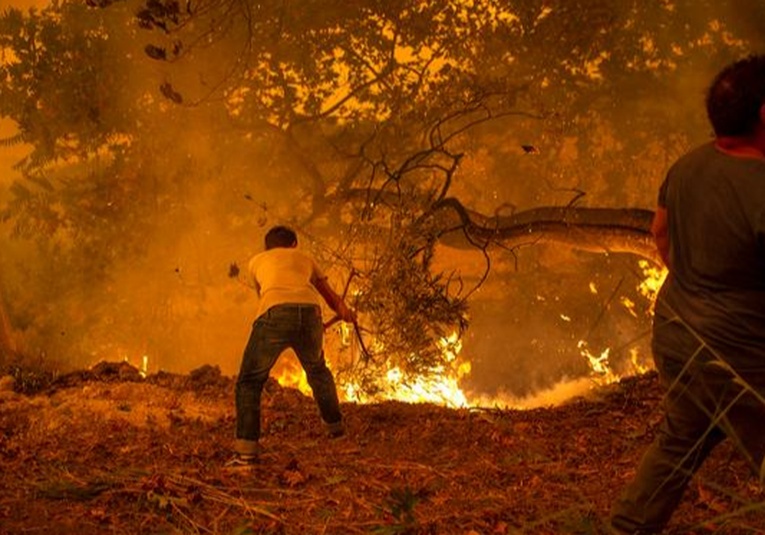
<point x="707" y="401"/>
<point x="284" y="326"/>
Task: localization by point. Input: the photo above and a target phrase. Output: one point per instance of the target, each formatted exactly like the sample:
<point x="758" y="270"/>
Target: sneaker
<point x="240" y="460"/>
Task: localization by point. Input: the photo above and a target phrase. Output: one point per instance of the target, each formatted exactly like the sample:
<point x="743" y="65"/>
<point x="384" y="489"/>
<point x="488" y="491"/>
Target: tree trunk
<point x="600" y="230"/>
<point x="7" y="343"/>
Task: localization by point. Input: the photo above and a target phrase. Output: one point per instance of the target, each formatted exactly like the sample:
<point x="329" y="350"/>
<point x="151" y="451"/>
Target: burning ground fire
<point x="441" y="384"/>
<point x="649" y="287"/>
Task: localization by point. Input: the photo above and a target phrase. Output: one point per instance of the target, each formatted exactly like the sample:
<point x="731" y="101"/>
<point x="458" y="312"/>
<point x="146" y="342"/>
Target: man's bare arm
<point x="334" y="301"/>
<point x="660" y="231"/>
<point x="235" y="273"/>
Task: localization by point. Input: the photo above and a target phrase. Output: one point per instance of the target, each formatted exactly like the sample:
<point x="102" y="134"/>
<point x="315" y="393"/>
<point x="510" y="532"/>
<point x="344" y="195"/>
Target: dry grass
<point x="109" y="453"/>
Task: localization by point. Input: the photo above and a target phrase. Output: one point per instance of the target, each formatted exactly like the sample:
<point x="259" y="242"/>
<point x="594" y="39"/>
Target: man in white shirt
<point x="291" y="288"/>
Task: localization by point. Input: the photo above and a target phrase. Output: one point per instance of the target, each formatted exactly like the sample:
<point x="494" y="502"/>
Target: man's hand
<point x="345" y="313"/>
<point x="334" y="301"/>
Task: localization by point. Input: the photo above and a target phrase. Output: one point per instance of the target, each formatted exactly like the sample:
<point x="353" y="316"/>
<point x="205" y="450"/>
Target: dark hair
<point x="280" y="237"/>
<point x="735" y="97"/>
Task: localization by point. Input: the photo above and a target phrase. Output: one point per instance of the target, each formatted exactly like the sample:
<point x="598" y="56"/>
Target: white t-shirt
<point x="284" y="276"/>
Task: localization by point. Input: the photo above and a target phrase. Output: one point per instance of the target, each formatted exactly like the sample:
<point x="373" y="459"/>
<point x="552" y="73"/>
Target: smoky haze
<point x="205" y="187"/>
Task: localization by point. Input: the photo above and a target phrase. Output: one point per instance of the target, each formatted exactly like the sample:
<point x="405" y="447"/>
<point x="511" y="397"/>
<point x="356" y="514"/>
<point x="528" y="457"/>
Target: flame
<point x="400" y="386"/>
<point x="629" y="304"/>
<point x="289" y="374"/>
<point x="649" y="288"/>
<point x="440" y="384"/>
<point x="143" y="368"/>
<point x="654" y="278"/>
<point x="599" y="364"/>
<point x="637" y="367"/>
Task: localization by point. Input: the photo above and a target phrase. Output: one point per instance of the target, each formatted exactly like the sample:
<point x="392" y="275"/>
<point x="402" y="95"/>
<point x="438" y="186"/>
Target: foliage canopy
<point x="162" y="133"/>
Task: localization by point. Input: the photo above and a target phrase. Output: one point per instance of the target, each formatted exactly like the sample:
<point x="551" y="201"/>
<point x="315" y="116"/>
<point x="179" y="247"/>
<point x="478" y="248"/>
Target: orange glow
<point x="654" y="278"/>
<point x="649" y="288"/>
<point x="441" y="384"/>
<point x="601" y="368"/>
<point x="289" y="374"/>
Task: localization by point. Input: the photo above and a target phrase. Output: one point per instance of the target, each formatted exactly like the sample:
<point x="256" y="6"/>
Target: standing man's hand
<point x="345" y="313"/>
<point x="334" y="301"/>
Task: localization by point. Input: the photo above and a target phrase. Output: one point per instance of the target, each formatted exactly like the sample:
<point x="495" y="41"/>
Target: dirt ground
<point x="105" y="451"/>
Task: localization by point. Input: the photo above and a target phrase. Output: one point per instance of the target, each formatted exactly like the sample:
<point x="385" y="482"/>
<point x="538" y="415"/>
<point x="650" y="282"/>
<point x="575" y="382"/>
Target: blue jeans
<point x="283" y="326"/>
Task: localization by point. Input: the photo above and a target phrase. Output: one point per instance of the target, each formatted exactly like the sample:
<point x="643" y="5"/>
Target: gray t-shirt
<point x="716" y="216"/>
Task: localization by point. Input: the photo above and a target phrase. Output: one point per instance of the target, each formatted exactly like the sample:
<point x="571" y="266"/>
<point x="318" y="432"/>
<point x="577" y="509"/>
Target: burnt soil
<point x="106" y="451"/>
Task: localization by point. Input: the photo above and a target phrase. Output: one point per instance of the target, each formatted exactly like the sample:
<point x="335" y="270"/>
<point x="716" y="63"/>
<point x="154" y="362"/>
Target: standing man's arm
<point x="660" y="231"/>
<point x="246" y="279"/>
<point x="334" y="301"/>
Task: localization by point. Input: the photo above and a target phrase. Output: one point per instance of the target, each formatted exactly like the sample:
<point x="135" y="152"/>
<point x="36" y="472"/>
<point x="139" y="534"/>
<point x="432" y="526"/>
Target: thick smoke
<point x="218" y="189"/>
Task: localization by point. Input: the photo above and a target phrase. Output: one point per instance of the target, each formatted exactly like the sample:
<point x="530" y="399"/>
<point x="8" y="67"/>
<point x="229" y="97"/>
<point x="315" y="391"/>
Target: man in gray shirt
<point x="709" y="324"/>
